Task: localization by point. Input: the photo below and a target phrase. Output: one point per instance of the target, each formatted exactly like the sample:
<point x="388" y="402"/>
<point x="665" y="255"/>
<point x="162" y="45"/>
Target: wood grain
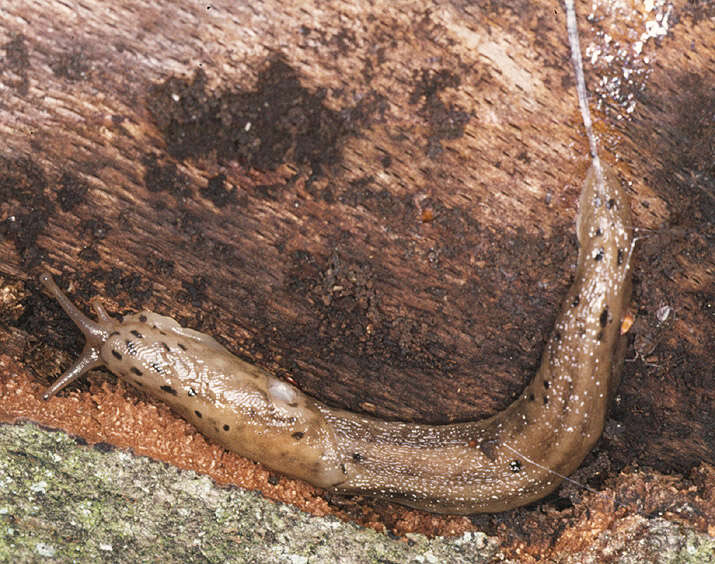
<point x="376" y="202"/>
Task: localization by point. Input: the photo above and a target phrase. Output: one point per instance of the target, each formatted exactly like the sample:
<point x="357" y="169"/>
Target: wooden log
<point x="376" y="202"/>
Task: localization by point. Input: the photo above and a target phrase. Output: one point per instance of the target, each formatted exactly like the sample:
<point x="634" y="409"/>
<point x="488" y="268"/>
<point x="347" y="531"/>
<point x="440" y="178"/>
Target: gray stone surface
<point x="64" y="502"/>
<point x="70" y="502"/>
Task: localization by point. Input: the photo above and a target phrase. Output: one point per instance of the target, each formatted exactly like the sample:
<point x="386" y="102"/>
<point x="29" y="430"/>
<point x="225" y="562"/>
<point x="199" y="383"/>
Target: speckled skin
<point x="515" y="457"/>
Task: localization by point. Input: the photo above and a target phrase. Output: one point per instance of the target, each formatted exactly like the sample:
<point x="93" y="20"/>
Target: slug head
<point x="95" y="332"/>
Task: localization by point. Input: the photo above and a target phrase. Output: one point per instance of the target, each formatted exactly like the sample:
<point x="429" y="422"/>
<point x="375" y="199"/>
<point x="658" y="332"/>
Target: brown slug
<point x="498" y="463"/>
<point x="512" y="458"/>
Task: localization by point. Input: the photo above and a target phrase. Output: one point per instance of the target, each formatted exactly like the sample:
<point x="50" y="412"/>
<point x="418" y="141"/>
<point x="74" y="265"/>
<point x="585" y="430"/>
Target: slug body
<point x="517" y="456"/>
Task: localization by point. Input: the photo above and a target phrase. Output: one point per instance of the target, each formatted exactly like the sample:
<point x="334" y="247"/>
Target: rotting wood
<point x="401" y="238"/>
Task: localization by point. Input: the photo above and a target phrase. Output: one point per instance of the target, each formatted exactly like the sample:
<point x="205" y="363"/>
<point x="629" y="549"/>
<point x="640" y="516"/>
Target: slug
<point x="513" y="458"/>
<point x="517" y="456"/>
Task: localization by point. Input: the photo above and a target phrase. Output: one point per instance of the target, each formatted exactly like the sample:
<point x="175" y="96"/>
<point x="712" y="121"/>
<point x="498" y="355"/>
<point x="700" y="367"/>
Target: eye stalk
<point x="96" y="333"/>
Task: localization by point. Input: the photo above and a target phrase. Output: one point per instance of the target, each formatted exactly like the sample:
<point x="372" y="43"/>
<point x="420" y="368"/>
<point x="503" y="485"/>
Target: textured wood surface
<point x="376" y="202"/>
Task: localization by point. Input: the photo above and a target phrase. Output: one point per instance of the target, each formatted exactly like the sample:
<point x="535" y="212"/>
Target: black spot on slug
<point x="604" y="317"/>
<point x="599" y="232"/>
<point x="181" y="346"/>
<point x="557" y="336"/>
<point x="130" y="348"/>
<point x="113" y="333"/>
<point x="297" y="435"/>
<point x="546" y="400"/>
<point x="198" y="413"/>
<point x="136" y="371"/>
<point x="191" y="393"/>
<point x="142" y="318"/>
<point x="116" y="355"/>
<point x="515" y="466"/>
<point x="531" y="397"/>
<point x="575" y="301"/>
<point x="610" y="203"/>
<point x="599" y="255"/>
<point x="166" y="347"/>
<point x="342" y="467"/>
<point x="292" y="404"/>
<point x="226" y="428"/>
<point x="156" y="367"/>
<point x="160" y="332"/>
<point x="357" y="457"/>
<point x="169" y="390"/>
<point x="546" y="384"/>
<point x="599" y="337"/>
<point x="137" y="334"/>
<point x="620" y="257"/>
